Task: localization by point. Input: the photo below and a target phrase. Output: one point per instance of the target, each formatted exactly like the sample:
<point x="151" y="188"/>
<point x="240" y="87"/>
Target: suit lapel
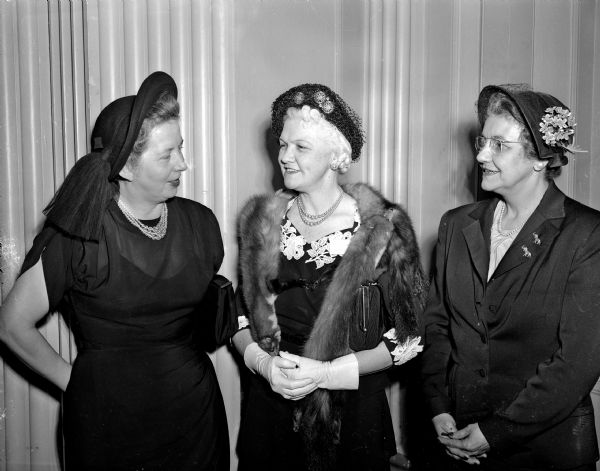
<point x="477" y="238"/>
<point x="538" y="232"/>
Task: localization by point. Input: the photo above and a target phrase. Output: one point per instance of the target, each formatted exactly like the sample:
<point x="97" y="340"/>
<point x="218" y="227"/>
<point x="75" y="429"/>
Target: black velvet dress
<point x="267" y="440"/>
<point x="142" y="395"/>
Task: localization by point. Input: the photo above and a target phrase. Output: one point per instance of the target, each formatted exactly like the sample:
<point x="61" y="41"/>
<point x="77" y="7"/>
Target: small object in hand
<point x="448" y="434"/>
<point x="400" y="461"/>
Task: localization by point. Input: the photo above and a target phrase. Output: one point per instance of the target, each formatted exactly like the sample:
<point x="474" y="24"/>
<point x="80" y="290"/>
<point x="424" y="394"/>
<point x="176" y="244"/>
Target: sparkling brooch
<point x="327" y="107"/>
<point x="320" y="97"/>
<point x="526" y="252"/>
<point x="536" y="239"/>
<point x="323" y="101"/>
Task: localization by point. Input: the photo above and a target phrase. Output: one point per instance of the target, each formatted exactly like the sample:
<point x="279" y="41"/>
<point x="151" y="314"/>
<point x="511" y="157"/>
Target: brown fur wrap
<point x="385" y="241"/>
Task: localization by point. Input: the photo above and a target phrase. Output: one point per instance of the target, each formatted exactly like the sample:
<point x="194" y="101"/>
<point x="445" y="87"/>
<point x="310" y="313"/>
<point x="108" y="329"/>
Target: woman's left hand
<point x="341" y="373"/>
<point x="468" y="444"/>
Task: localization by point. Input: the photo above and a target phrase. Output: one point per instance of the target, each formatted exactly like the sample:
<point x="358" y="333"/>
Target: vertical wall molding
<point x="225" y="191"/>
<point x="412" y="69"/>
<point x="373" y="111"/>
<point x="401" y="103"/>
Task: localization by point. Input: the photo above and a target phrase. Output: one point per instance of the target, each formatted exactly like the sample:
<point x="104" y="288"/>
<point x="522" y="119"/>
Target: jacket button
<point x="483" y="338"/>
<point x="492" y="308"/>
<point x="482" y="372"/>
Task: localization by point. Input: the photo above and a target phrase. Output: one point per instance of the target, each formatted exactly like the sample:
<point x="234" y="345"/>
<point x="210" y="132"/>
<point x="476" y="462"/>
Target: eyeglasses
<point x="496" y="145"/>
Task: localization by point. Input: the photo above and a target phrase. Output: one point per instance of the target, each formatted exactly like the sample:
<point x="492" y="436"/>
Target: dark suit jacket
<point x="520" y="353"/>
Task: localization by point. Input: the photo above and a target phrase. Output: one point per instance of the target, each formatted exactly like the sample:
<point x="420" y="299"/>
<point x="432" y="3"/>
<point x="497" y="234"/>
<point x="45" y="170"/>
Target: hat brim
<point x="152" y="88"/>
<point x="531" y="106"/>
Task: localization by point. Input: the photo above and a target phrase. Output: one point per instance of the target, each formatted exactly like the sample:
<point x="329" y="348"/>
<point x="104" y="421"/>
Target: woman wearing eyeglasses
<point x="512" y="325"/>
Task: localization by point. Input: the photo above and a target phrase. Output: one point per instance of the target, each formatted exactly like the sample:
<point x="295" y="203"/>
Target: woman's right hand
<point x="281" y="383"/>
<point x="273" y="369"/>
<point x="23" y="308"/>
<point x="444" y="424"/>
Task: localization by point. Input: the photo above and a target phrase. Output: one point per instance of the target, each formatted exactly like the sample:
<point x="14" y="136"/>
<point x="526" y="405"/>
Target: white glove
<point x="276" y="370"/>
<point x="406" y="351"/>
<point x="258" y="361"/>
<point x="341" y="373"/>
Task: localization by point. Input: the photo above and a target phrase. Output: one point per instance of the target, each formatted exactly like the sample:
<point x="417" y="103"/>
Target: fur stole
<point x="385" y="241"/>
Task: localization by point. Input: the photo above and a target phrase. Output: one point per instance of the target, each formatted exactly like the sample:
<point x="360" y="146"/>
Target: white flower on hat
<point x="557" y="125"/>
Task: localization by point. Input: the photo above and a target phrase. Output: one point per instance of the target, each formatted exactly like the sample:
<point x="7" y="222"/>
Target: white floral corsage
<point x="556" y="126"/>
<point x="242" y="322"/>
<point x="404" y="351"/>
<point x="338" y="243"/>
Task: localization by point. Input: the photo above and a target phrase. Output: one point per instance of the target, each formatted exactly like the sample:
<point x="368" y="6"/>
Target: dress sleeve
<point x="216" y="242"/>
<point x="227" y="318"/>
<point x="60" y="254"/>
<point x="242" y="321"/>
<point x="436" y="355"/>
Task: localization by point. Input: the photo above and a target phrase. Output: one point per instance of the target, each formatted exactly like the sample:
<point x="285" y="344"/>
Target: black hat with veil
<point x="78" y="205"/>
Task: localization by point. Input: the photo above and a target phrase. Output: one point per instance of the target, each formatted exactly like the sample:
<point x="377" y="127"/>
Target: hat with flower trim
<point x="550" y="123"/>
<point x="331" y="106"/>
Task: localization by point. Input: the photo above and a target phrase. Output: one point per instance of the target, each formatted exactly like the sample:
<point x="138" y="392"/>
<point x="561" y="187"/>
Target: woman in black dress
<point x="304" y="254"/>
<point x="128" y="263"/>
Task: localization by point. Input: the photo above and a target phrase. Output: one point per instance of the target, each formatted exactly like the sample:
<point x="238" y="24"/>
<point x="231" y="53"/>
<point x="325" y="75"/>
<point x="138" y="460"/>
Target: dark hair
<point x="166" y="108"/>
<point x="500" y="104"/>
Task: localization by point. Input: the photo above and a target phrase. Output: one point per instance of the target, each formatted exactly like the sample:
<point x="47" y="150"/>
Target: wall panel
<point x="412" y="70"/>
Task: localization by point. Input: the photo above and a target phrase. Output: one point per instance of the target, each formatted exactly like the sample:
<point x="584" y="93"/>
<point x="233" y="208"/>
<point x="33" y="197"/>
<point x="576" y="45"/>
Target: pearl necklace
<point x="499" y="224"/>
<point x="316" y="219"/>
<point x="153" y="232"/>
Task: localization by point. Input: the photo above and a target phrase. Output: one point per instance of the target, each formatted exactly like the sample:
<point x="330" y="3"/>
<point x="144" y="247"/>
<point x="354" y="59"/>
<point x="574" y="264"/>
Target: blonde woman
<point x="315" y="398"/>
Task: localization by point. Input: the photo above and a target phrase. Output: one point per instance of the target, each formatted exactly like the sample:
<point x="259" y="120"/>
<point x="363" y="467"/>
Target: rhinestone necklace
<point x="500" y="216"/>
<point x="316" y="219"/>
<point x="153" y="232"/>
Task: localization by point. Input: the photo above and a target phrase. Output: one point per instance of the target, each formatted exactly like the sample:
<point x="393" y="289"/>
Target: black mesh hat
<point x="331" y="106"/>
<point x="550" y="123"/>
<point x="78" y="205"/>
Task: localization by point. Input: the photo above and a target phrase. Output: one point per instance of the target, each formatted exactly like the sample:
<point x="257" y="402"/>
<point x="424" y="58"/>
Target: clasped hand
<point x="341" y="373"/>
<point x="467" y="444"/>
<point x="276" y="370"/>
<point x="294" y="377"/>
<point x="282" y="381"/>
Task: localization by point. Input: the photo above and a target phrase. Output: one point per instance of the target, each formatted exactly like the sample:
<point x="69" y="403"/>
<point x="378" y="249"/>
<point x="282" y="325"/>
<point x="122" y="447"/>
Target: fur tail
<point x="319" y="420"/>
<point x="259" y="235"/>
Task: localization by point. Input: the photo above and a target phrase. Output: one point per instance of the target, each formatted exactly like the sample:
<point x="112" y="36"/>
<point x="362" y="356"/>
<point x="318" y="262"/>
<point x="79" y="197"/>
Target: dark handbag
<point x="217" y="321"/>
<point x="371" y="317"/>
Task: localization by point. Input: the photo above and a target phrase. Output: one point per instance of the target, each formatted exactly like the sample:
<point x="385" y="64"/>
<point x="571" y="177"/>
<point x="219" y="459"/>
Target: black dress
<point x="142" y="395"/>
<point x="267" y="440"/>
